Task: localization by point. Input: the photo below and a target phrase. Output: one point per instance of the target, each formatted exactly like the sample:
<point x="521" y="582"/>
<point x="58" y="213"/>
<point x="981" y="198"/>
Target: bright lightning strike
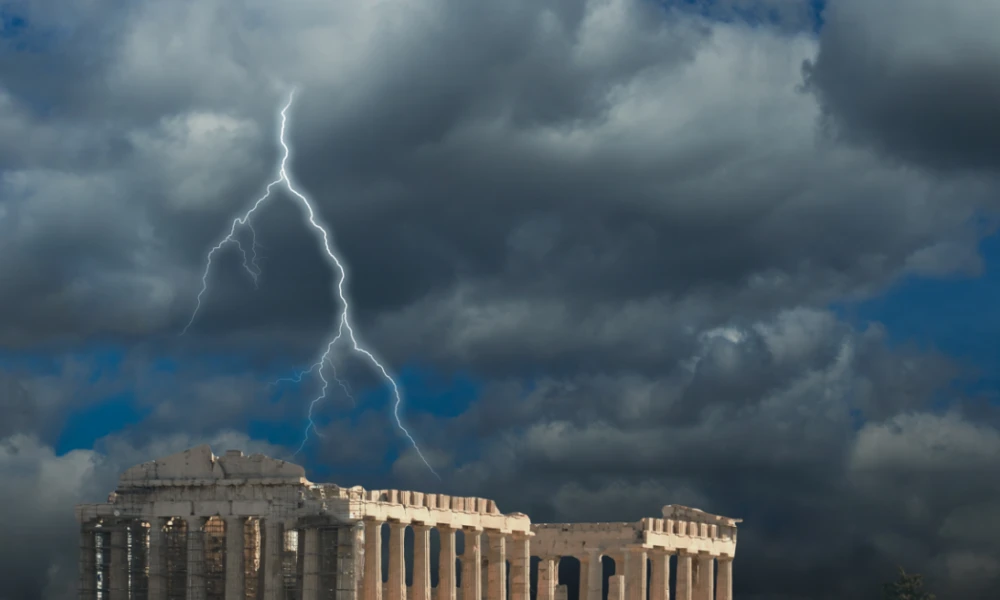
<point x="251" y="267"/>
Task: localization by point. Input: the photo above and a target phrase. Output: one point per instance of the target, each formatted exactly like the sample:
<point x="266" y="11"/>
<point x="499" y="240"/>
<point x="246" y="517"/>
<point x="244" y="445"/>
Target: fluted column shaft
<point x="397" y="565"/>
<point x="497" y="585"/>
<point x="659" y="582"/>
<point x="472" y="573"/>
<point x="373" y="560"/>
<point x="724" y="580"/>
<point x="704" y="577"/>
<point x="273" y="542"/>
<point x="683" y="576"/>
<point x="592" y="588"/>
<point x="157" y="583"/>
<point x="310" y="564"/>
<point x="421" y="562"/>
<point x="447" y="589"/>
<point x="520" y="565"/>
<point x="547" y="577"/>
<point x="635" y="575"/>
<point x="235" y="546"/>
<point x="616" y="587"/>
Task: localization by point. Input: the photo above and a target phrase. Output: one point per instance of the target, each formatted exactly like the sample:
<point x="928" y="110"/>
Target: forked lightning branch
<point x="344" y="330"/>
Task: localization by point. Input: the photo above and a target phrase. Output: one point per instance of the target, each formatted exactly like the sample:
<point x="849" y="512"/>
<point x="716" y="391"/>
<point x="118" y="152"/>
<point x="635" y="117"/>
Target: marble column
<point x="88" y="564"/>
<point x="616" y="587"/>
<point x="397" y="563"/>
<point x="447" y="589"/>
<point x="592" y="588"/>
<point x="273" y="545"/>
<point x="724" y="579"/>
<point x="195" y="558"/>
<point x="472" y="572"/>
<point x="373" y="560"/>
<point x="683" y="576"/>
<point x="157" y="559"/>
<point x="704" y="577"/>
<point x="310" y="564"/>
<point x="520" y="566"/>
<point x="235" y="546"/>
<point x="421" y="562"/>
<point x="548" y="577"/>
<point x="497" y="585"/>
<point x="635" y="574"/>
<point x="118" y="569"/>
<point x="659" y="582"/>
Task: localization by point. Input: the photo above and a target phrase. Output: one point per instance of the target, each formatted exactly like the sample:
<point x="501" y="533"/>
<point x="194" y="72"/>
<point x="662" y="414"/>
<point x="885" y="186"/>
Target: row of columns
<point x="195" y="588"/>
<point x="696" y="576"/>
<point x="474" y="568"/>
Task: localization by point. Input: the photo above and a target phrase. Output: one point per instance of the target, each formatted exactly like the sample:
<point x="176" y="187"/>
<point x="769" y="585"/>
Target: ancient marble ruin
<point x="196" y="526"/>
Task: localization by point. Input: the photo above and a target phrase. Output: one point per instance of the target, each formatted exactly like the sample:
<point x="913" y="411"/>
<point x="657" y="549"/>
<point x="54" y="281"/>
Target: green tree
<point x="909" y="586"/>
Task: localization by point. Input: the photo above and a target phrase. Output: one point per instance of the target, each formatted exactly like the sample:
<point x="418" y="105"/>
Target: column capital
<point x="724" y="558"/>
<point x="397" y="524"/>
<point x="521" y="535"/>
<point x="473" y="528"/>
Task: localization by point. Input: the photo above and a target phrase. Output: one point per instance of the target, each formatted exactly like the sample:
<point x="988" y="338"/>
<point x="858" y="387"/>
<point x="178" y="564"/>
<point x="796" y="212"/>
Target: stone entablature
<point x="238" y="527"/>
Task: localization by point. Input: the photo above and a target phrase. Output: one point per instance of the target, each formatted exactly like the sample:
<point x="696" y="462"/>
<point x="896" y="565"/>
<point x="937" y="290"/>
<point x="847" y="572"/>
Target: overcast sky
<point x="732" y="254"/>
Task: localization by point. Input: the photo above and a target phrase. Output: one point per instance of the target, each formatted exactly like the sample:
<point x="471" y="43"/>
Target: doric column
<point x="157" y="559"/>
<point x="273" y="542"/>
<point x="635" y="574"/>
<point x="373" y="560"/>
<point x="310" y="564"/>
<point x="472" y="558"/>
<point x="195" y="558"/>
<point x="497" y="583"/>
<point x="592" y="588"/>
<point x="548" y="577"/>
<point x="724" y="581"/>
<point x="421" y="562"/>
<point x="88" y="564"/>
<point x="118" y="569"/>
<point x="235" y="546"/>
<point x="520" y="566"/>
<point x="616" y="587"/>
<point x="683" y="576"/>
<point x="704" y="583"/>
<point x="397" y="564"/>
<point x="659" y="582"/>
<point x="447" y="589"/>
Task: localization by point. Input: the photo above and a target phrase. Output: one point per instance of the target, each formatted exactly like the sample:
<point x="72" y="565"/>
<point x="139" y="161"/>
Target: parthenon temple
<point x="195" y="526"/>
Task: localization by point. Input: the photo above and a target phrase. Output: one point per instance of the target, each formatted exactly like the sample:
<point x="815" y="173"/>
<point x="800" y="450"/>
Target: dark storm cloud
<point x="620" y="217"/>
<point x="917" y="79"/>
<point x="785" y="453"/>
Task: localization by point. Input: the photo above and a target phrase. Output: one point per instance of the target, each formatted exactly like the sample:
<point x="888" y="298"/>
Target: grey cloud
<point x="916" y="79"/>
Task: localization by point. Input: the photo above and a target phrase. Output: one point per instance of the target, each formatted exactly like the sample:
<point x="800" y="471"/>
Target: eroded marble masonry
<point x="194" y="526"/>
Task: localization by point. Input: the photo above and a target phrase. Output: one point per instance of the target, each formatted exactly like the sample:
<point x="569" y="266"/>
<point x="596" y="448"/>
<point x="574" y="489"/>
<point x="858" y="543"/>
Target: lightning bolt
<point x="345" y="330"/>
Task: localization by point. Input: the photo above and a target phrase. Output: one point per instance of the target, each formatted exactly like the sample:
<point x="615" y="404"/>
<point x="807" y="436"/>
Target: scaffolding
<point x="138" y="560"/>
<point x="291" y="564"/>
<point x="214" y="561"/>
<point x="175" y="551"/>
<point x="253" y="575"/>
<point x="329" y="561"/>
